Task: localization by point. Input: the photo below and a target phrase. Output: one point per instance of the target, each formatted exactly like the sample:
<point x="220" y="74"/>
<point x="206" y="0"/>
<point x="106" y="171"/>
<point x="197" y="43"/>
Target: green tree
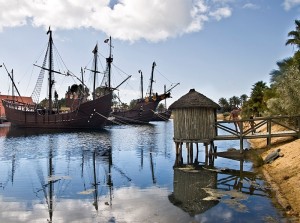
<point x="161" y="107"/>
<point x="243" y="98"/>
<point x="132" y="104"/>
<point x="115" y="100"/>
<point x="224" y="104"/>
<point x="282" y="67"/>
<point x="283" y="97"/>
<point x="235" y="101"/>
<point x="257" y="104"/>
<point x="295" y="36"/>
<point x="287" y="94"/>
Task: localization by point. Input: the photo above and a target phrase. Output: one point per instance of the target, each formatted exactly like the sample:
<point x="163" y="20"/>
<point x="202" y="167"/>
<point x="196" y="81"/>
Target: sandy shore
<point x="284" y="173"/>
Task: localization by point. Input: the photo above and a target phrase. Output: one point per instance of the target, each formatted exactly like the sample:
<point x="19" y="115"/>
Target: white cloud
<point x="250" y="6"/>
<point x="288" y="4"/>
<point x="124" y="19"/>
<point x="221" y="13"/>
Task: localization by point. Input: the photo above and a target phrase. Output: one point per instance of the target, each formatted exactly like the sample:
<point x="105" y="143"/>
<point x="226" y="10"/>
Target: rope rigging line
<point x="159" y="115"/>
<point x="38" y="86"/>
<point x="32" y="68"/>
<point x="163" y="76"/>
<point x="129" y="119"/>
<point x="107" y="118"/>
<point x="56" y="52"/>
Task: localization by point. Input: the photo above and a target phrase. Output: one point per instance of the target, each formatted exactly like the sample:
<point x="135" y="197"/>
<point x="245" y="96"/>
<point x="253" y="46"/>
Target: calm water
<point x="122" y="174"/>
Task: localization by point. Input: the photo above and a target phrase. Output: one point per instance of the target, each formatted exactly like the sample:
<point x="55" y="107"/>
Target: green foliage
<point x="62" y="102"/>
<point x="44" y="103"/>
<point x="234" y="101"/>
<point x="115" y="100"/>
<point x="132" y="104"/>
<point x="161" y="107"/>
<point x="243" y="98"/>
<point x="226" y="114"/>
<point x="256" y="105"/>
<point x="287" y="100"/>
<point x="295" y="35"/>
<point x="283" y="96"/>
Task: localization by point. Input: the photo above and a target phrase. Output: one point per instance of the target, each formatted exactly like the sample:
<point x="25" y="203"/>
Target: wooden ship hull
<point x="161" y="116"/>
<point x="142" y="112"/>
<point x="89" y="115"/>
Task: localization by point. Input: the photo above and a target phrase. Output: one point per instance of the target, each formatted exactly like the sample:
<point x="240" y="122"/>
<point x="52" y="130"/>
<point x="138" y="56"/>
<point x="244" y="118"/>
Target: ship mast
<point x="165" y="91"/>
<point x="142" y="96"/>
<point x="12" y="80"/>
<point x="12" y="87"/>
<point x="151" y="78"/>
<point x="109" y="60"/>
<point x="95" y="52"/>
<point x="50" y="81"/>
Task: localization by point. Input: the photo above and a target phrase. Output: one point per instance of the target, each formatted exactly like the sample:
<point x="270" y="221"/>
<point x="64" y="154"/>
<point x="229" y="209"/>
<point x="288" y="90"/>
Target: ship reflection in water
<point x="122" y="174"/>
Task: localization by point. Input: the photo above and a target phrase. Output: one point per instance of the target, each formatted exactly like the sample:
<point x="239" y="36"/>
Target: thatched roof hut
<point x="194" y="99"/>
<point x="194" y="118"/>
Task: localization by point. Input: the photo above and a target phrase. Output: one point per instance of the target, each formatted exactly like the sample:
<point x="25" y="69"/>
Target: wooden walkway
<point x="289" y="124"/>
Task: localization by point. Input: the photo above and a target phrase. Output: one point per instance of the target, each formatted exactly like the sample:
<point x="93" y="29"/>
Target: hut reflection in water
<point x="188" y="190"/>
<point x="198" y="188"/>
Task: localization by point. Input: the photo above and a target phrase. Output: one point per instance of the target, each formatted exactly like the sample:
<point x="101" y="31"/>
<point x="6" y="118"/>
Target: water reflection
<point x="188" y="191"/>
<point x="201" y="190"/>
<point x="96" y="166"/>
<point x="47" y="185"/>
<point x="123" y="174"/>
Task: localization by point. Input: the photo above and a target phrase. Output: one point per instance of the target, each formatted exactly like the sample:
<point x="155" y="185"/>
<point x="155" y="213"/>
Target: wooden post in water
<point x="211" y="148"/>
<point x="269" y="132"/>
<point x="177" y="144"/>
<point x="241" y="137"/>
<point x="206" y="149"/>
<point x="187" y="145"/>
<point x="196" y="158"/>
<point x="191" y="152"/>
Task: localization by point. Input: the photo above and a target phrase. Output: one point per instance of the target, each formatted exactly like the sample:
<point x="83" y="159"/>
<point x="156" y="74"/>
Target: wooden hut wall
<point x="195" y="124"/>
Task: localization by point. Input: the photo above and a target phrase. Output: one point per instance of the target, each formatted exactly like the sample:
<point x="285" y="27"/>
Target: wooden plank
<point x="257" y="136"/>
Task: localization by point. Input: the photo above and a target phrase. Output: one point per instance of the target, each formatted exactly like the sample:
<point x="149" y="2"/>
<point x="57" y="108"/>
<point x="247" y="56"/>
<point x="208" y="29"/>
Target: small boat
<point x="143" y="110"/>
<point x="83" y="114"/>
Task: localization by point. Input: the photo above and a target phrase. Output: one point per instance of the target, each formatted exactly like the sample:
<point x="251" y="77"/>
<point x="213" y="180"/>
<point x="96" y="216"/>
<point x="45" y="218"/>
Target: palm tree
<point x="295" y="36"/>
<point x="257" y="97"/>
<point x="243" y="98"/>
<point x="224" y="104"/>
<point x="234" y="101"/>
<point x="283" y="65"/>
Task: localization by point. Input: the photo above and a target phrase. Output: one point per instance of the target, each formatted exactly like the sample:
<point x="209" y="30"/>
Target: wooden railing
<point x="248" y="128"/>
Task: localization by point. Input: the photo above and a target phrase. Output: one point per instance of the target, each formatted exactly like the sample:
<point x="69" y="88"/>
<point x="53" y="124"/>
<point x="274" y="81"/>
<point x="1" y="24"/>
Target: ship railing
<point x="21" y="106"/>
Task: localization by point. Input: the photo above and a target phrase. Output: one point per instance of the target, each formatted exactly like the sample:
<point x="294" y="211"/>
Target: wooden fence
<point x="249" y="129"/>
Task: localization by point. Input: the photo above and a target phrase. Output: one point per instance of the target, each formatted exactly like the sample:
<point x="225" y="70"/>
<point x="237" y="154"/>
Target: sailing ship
<point x="83" y="114"/>
<point x="143" y="110"/>
<point x="163" y="114"/>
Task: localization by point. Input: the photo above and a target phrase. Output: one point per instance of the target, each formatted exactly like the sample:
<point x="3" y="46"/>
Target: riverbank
<point x="283" y="174"/>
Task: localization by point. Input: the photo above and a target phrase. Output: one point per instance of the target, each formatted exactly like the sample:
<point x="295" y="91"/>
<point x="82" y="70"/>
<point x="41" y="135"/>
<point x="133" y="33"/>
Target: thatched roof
<point x="194" y="99"/>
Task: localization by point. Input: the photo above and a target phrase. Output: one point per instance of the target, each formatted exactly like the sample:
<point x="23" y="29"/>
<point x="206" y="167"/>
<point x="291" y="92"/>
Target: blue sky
<point x="219" y="47"/>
